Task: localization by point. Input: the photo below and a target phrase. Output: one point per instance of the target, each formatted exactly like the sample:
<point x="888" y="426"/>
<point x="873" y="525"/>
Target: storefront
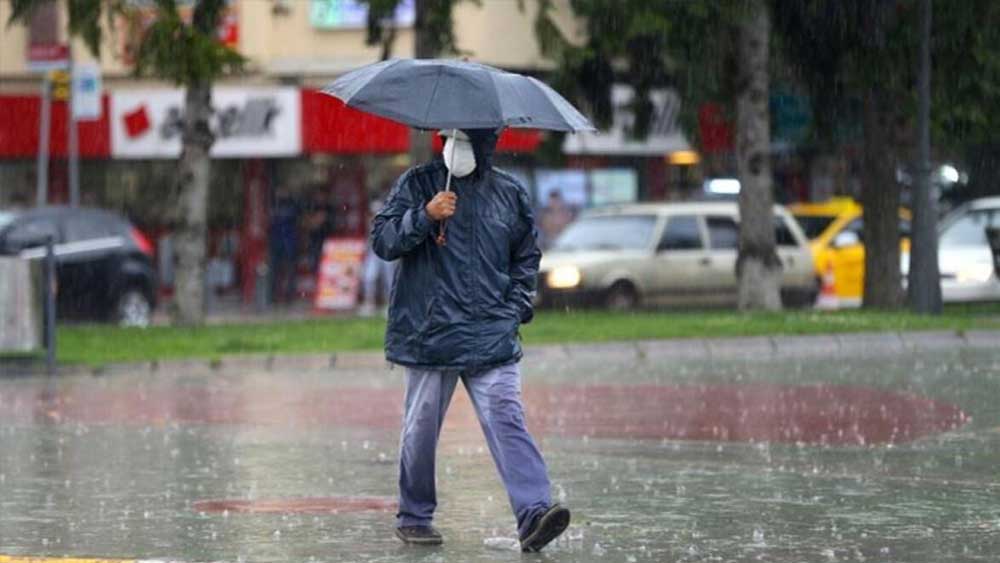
<point x="329" y="161"/>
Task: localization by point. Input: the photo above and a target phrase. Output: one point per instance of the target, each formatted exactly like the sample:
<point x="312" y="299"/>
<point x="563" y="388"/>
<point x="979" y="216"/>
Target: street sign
<point x="60" y="85"/>
<point x="86" y="98"/>
<point x="43" y="57"/>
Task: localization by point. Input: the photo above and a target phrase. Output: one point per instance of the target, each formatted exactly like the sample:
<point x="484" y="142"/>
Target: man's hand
<point x="442" y="206"/>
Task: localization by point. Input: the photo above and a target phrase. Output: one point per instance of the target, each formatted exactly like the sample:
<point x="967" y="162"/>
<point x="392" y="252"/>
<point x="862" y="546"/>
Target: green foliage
<point x="434" y="17"/>
<point x="842" y="49"/>
<point x="965" y="78"/>
<point x="186" y="53"/>
<point x="174" y="49"/>
<point x="685" y="44"/>
<point x="84" y="17"/>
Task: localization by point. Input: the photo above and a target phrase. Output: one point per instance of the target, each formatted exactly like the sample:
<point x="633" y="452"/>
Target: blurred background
<point x="292" y="168"/>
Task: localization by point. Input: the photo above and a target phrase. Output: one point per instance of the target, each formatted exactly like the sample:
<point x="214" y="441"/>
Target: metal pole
<point x="50" y="306"/>
<point x="44" y="124"/>
<point x="73" y="144"/>
<point x="924" y="276"/>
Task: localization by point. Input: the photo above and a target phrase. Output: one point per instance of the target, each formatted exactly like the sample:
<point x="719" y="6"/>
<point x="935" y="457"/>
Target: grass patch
<point x="97" y="345"/>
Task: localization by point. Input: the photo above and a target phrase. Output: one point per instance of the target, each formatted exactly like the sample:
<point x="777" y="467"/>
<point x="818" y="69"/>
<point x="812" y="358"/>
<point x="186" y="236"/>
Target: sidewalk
<point x="877" y="447"/>
<point x="753" y="348"/>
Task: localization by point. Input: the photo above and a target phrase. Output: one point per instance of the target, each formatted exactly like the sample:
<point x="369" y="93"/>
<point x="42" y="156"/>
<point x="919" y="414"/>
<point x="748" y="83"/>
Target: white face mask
<point x="458" y="157"/>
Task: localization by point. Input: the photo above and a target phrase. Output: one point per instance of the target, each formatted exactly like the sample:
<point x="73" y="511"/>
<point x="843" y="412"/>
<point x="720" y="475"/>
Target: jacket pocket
<point x="428" y="321"/>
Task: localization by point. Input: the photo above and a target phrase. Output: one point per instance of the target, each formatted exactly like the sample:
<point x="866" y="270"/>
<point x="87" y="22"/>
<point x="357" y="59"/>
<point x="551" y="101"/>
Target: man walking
<point x="458" y="300"/>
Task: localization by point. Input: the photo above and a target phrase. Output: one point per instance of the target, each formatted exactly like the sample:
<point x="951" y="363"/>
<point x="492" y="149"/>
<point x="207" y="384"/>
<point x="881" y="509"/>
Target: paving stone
<point x="933" y="340"/>
<point x="238" y="364"/>
<point x="122" y="368"/>
<point x="311" y="362"/>
<point x="360" y="360"/>
<point x="659" y="350"/>
<point x="754" y="347"/>
<point x="606" y="351"/>
<point x="982" y="338"/>
<point x="182" y="367"/>
<point x="545" y="353"/>
<point x="869" y="344"/>
<point x="801" y="346"/>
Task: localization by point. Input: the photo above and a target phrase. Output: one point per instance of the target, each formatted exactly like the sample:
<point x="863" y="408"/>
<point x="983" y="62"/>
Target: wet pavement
<point x="821" y="458"/>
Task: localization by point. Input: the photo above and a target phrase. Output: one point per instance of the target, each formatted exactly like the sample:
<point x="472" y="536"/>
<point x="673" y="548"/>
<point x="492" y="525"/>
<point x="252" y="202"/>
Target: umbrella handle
<point x="447" y="187"/>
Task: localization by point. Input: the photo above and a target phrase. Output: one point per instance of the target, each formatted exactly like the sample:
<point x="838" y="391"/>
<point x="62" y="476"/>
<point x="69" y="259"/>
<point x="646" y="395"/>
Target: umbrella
<point x="451" y="94"/>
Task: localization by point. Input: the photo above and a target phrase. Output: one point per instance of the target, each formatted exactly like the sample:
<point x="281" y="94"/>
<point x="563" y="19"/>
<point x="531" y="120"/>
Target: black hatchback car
<point x="104" y="265"/>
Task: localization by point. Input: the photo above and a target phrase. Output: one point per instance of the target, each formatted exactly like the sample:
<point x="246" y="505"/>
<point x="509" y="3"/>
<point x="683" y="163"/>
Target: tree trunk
<point x="758" y="265"/>
<point x="193" y="182"/>
<point x="924" y="275"/>
<point x="880" y="198"/>
<point x="424" y="47"/>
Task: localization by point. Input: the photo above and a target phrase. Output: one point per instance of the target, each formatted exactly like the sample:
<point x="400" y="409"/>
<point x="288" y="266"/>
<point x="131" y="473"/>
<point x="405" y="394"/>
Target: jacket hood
<point x="484" y="145"/>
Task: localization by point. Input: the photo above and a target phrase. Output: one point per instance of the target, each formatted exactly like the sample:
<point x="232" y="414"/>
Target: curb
<point x="749" y="348"/>
<point x="40" y="559"/>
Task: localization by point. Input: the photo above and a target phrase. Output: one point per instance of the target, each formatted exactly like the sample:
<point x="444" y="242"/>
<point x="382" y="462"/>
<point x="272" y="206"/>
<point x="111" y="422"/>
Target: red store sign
<point x="327" y="127"/>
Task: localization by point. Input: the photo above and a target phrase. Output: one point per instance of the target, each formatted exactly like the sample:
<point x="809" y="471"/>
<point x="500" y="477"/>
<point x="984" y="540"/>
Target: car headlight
<point x="564" y="277"/>
<point x="976" y="273"/>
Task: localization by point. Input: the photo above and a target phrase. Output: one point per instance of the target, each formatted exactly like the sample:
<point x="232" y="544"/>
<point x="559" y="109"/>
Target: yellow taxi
<point x="834" y="228"/>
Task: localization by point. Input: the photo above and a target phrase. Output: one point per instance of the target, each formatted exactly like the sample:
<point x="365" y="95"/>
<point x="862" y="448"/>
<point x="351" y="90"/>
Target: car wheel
<point x="133" y="309"/>
<point x="622" y="297"/>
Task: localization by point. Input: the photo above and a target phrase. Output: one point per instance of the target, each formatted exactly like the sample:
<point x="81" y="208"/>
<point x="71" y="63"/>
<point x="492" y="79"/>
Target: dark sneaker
<point x="419" y="535"/>
<point x="545" y="528"/>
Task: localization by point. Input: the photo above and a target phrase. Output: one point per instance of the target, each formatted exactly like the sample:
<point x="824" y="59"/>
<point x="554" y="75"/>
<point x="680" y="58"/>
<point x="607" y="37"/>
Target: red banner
<point x="327" y="127"/>
<point x="19" y="116"/>
<point x="716" y="131"/>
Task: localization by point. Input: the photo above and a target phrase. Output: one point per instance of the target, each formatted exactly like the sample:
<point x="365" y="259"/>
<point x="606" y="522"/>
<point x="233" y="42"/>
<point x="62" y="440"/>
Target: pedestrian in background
<point x="456" y="308"/>
<point x="283" y="245"/>
<point x="373" y="271"/>
<point x="319" y="224"/>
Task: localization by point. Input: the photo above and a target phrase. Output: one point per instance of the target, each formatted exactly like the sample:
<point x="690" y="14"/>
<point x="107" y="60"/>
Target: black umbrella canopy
<point x="451" y="94"/>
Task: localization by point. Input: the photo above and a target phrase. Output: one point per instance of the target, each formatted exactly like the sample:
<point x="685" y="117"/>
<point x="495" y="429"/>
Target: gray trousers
<point x="496" y="396"/>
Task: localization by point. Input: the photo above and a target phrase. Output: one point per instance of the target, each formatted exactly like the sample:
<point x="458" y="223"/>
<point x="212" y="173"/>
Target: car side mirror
<point x="845" y="239"/>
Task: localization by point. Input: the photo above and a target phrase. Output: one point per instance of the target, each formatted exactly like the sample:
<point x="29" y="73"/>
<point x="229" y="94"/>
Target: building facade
<point x="275" y="131"/>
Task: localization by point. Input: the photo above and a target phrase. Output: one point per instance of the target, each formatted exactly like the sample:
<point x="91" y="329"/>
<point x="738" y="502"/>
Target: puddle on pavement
<point x="691" y="461"/>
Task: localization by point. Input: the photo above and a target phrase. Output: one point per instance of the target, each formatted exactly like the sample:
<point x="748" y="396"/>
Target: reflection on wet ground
<point x="888" y="459"/>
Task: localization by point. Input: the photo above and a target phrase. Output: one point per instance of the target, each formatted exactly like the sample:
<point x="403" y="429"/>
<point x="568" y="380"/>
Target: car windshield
<point x="6" y="217"/>
<point x="970" y="229"/>
<point x="615" y="232"/>
<point x="814" y="225"/>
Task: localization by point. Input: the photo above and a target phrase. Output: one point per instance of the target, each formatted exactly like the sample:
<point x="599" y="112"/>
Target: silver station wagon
<point x="651" y="254"/>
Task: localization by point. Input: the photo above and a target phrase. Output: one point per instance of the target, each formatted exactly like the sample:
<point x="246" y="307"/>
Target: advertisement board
<point x="613" y="185"/>
<point x="339" y="275"/>
<point x="664" y="136"/>
<point x="247" y="122"/>
<point x="348" y="14"/>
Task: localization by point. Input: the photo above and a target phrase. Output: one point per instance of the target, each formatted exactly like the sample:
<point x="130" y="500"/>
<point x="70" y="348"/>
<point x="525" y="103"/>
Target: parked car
<point x="664" y="254"/>
<point x="964" y="255"/>
<point x="834" y="228"/>
<point x="104" y="265"/>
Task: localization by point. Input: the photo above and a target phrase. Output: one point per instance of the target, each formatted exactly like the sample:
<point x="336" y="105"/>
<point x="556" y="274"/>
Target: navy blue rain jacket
<point x="459" y="306"/>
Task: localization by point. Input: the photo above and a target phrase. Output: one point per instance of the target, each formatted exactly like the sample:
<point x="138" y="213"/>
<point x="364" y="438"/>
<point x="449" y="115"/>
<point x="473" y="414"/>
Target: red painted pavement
<point x="754" y="412"/>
